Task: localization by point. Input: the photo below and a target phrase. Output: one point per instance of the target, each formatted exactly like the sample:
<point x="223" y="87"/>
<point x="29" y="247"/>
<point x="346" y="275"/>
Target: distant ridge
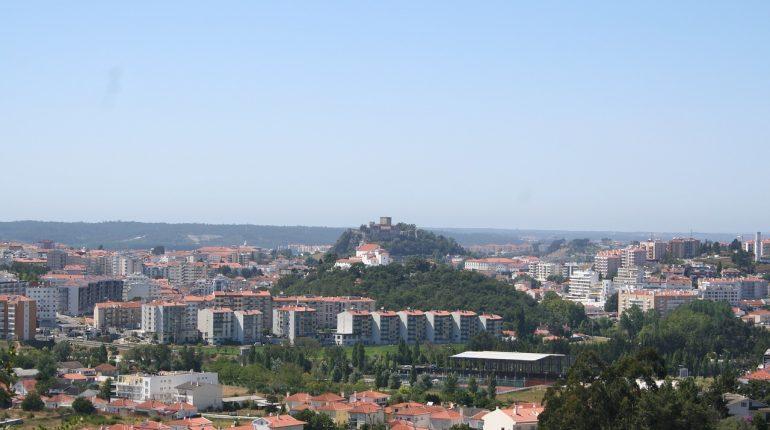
<point x="132" y="235"/>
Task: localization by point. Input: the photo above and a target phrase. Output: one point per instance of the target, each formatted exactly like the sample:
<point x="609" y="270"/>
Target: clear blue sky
<point x="562" y="115"/>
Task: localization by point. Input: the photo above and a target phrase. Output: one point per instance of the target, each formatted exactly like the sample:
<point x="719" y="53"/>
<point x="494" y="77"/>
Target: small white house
<point x="202" y="395"/>
<point x="519" y="417"/>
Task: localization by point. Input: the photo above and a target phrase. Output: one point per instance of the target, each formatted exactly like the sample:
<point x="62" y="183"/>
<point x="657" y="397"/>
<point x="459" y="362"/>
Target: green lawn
<point x="528" y="395"/>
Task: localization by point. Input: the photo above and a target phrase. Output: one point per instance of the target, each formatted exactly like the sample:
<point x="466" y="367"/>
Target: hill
<point x="401" y="240"/>
<point x="419" y="284"/>
<point x="134" y="235"/>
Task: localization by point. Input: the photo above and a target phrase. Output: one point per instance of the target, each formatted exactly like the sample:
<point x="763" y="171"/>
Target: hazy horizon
<point x="428" y="227"/>
<point x="552" y="116"/>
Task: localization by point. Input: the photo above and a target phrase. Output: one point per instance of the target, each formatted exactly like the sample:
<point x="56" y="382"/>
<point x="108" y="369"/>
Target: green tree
<point x="449" y="387"/>
<point x="105" y="389"/>
<point x="99" y="355"/>
<point x="473" y="386"/>
<point x="611" y="305"/>
<point x="82" y="406"/>
<point x="32" y="402"/>
<point x="61" y="351"/>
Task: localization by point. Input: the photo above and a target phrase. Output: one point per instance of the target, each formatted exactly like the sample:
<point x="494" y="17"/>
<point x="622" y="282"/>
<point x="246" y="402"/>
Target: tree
<point x="82" y="406"/>
<point x="99" y="355"/>
<point x="105" y="389"/>
<point x="61" y="351"/>
<point x="611" y="305"/>
<point x="316" y="421"/>
<point x="394" y="382"/>
<point x="473" y="386"/>
<point x="597" y="395"/>
<point x="450" y="385"/>
<point x="492" y="386"/>
<point x="32" y="402"/>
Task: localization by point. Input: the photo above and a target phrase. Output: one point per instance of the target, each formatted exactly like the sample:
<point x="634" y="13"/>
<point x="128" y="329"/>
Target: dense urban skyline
<point x="610" y="117"/>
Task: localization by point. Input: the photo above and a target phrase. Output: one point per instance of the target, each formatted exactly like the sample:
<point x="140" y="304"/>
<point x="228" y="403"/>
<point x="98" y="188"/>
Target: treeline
<point x="626" y="395"/>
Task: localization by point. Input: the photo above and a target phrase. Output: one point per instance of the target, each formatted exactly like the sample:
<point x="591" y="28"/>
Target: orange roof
<point x="370" y="394"/>
<point x="404" y="425"/>
<point x="758" y="375"/>
<point x="277" y="421"/>
<point x="522" y="414"/>
<point x="74" y="377"/>
<point x="334" y="406"/>
<point x="151" y="404"/>
<point x="191" y="422"/>
<point x="298" y="397"/>
<point x="327" y="397"/>
<point x="445" y="415"/>
<point x="124" y="403"/>
<point x="363" y="408"/>
<point x="368" y="247"/>
<point x="181" y="407"/>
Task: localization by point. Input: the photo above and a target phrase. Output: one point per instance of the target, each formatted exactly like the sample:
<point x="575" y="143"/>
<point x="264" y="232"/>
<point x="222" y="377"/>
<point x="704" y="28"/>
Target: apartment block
<point x="248" y="326"/>
<point x="246" y="301"/>
<point x="387" y="328"/>
<point x="633" y="256"/>
<point x="353" y="327"/>
<point x="466" y="325"/>
<point x="684" y="247"/>
<point x="656" y="249"/>
<point x="293" y="322"/>
<point x="138" y="286"/>
<point x="413" y="326"/>
<point x="492" y="324"/>
<point x="48" y="298"/>
<point x="168" y="322"/>
<point x="440" y="326"/>
<point x="216" y="325"/>
<point x="583" y="285"/>
<point x="662" y="301"/>
<point x="81" y="295"/>
<point x="607" y="262"/>
<point x="18" y="317"/>
<point x="118" y="315"/>
<point x="327" y="308"/>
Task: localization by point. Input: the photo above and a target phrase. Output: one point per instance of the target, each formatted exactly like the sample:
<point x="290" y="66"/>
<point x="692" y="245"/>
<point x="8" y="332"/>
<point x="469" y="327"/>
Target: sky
<point x="628" y="116"/>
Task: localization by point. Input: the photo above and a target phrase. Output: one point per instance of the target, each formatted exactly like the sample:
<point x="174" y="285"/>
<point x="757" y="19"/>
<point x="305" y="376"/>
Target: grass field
<point x="527" y="395"/>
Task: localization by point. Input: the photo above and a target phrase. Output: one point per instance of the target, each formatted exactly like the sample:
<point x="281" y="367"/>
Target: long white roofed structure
<point x="510" y="365"/>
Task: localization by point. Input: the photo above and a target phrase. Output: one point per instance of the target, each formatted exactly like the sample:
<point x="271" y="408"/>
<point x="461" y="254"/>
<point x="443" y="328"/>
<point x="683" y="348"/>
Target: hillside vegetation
<point x="404" y="240"/>
<point x="422" y="285"/>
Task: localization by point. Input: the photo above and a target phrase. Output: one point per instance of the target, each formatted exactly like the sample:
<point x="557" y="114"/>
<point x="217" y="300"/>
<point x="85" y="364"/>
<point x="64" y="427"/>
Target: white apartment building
<point x="293" y="322"/>
<point x="215" y="325"/>
<point x="161" y="387"/>
<point x="633" y="256"/>
<point x="247" y="327"/>
<point x="353" y="327"/>
<point x="718" y="291"/>
<point x="541" y="270"/>
<point x="222" y="325"/>
<point x="140" y="286"/>
<point x="656" y="249"/>
<point x="48" y="298"/>
<point x="583" y="284"/>
<point x="167" y="322"/>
